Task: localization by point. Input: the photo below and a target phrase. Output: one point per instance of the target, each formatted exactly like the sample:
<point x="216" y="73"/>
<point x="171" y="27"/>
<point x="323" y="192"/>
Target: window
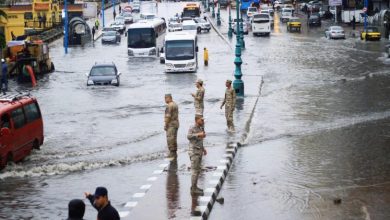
<point x="18" y="118"/>
<point x="32" y="112"/>
<point x="5" y="121"/>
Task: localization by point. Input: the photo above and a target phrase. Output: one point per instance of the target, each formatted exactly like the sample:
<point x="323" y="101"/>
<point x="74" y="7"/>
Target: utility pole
<point x="238" y="84"/>
<point x="66" y="26"/>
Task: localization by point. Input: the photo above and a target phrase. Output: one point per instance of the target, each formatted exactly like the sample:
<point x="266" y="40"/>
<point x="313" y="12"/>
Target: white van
<point x="261" y="24"/>
<point x="287" y="13"/>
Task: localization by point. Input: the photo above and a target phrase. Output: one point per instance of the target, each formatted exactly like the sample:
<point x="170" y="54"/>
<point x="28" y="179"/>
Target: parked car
<point x="203" y="25"/>
<point x="314" y="20"/>
<point x="120" y="18"/>
<point x="174" y="26"/>
<point x="244" y="27"/>
<point x="21" y="127"/>
<point x="119" y="26"/>
<point x="294" y="24"/>
<point x="103" y="74"/>
<point x="128" y="17"/>
<point x="111" y="37"/>
<point x="371" y="33"/>
<point x="335" y="32"/>
<point x="250" y="11"/>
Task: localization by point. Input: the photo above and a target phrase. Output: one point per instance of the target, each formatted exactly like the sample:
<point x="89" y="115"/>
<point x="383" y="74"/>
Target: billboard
<point x="89" y="9"/>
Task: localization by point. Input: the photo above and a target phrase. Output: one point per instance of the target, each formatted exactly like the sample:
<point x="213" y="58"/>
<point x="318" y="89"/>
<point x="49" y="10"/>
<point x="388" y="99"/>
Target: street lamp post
<point x="213" y="11"/>
<point x="365" y="15"/>
<point x="238" y="84"/>
<point x="208" y="5"/>
<point x="66" y="26"/>
<point x="230" y="32"/>
<point x="103" y="12"/>
<point x="219" y="15"/>
<point x="242" y="32"/>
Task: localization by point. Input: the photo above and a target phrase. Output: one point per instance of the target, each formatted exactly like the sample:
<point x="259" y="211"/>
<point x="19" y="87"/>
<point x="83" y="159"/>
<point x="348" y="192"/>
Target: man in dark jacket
<point x="4" y="76"/>
<point x="76" y="209"/>
<point x="101" y="203"/>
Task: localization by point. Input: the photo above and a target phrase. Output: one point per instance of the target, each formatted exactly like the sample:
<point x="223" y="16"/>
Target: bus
<point x="181" y="52"/>
<point x="190" y="11"/>
<point x="143" y="36"/>
<point x="261" y="24"/>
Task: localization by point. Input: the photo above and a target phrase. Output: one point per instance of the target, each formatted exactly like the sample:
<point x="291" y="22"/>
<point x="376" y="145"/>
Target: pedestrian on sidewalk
<point x="353" y="22"/>
<point x="39" y="20"/>
<point x="120" y="9"/>
<point x="97" y="24"/>
<point x="76" y="209"/>
<point x="196" y="134"/>
<point x="114" y="14"/>
<point x="93" y="33"/>
<point x="230" y="103"/>
<point x="101" y="203"/>
<point x="199" y="97"/>
<point x="171" y="126"/>
<point x="206" y="56"/>
<point x="4" y="76"/>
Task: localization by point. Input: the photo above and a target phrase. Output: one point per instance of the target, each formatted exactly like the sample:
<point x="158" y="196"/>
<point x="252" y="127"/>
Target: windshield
<point x="103" y="71"/>
<point x="179" y="50"/>
<point x="372" y="29"/>
<point x="141" y="38"/>
<point x="258" y="21"/>
<point x="336" y="28"/>
<point x="189" y="27"/>
<point x="174" y="25"/>
<point x="252" y="9"/>
<point x="294" y="20"/>
<point x="261" y="16"/>
<point x="109" y="33"/>
<point x="191" y="12"/>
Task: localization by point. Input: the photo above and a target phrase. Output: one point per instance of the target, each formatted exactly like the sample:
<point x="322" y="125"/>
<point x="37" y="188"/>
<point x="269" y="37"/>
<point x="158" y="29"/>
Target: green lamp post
<point x="219" y="15"/>
<point x="242" y="32"/>
<point x="238" y="84"/>
<point x="208" y="5"/>
<point x="230" y="32"/>
<point x="213" y="11"/>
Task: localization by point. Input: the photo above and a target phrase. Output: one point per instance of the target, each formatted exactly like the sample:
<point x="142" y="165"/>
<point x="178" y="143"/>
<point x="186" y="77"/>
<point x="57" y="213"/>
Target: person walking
<point x="4" y="76"/>
<point x="93" y="33"/>
<point x="206" y="56"/>
<point x="101" y="203"/>
<point x="199" y="97"/>
<point x="40" y="20"/>
<point x="76" y="209"/>
<point x="353" y="22"/>
<point x="97" y="24"/>
<point x="171" y="126"/>
<point x="230" y="103"/>
<point x="120" y="9"/>
<point x="114" y="14"/>
<point x="195" y="135"/>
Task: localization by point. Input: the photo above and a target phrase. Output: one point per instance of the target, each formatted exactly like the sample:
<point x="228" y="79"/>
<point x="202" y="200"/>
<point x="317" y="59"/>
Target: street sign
<point x="335" y="2"/>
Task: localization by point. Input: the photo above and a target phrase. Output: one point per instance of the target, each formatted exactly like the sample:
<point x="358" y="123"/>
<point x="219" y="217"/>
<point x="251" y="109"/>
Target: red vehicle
<point x="21" y="127"/>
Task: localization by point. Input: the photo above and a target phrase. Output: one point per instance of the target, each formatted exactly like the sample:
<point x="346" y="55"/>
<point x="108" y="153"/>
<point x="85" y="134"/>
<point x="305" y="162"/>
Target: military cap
<point x="198" y="116"/>
<point x="199" y="81"/>
<point x="229" y="81"/>
<point x="168" y="95"/>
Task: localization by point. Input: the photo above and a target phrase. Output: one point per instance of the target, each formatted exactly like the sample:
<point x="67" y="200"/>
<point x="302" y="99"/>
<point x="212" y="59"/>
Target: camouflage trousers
<point x="229" y="116"/>
<point x="196" y="166"/>
<point x="172" y="138"/>
<point x="199" y="110"/>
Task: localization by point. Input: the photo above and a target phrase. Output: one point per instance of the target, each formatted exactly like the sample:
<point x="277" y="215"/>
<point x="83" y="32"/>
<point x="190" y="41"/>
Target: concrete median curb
<point x="218" y="32"/>
<point x="207" y="201"/>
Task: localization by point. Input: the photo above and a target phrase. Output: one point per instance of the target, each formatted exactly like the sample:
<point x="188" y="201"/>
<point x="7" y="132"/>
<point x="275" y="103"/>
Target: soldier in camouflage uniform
<point x="196" y="135"/>
<point x="198" y="97"/>
<point x="230" y="103"/>
<point x="171" y="125"/>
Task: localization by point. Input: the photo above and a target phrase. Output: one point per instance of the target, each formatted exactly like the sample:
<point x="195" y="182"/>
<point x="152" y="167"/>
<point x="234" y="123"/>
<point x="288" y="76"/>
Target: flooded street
<point x="320" y="131"/>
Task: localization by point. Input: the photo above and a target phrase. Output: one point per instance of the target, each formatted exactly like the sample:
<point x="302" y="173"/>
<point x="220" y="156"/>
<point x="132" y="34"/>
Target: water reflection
<point x="172" y="192"/>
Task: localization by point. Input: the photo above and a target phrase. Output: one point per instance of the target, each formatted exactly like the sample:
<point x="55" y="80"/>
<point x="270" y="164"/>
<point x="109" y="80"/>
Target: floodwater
<point x="320" y="130"/>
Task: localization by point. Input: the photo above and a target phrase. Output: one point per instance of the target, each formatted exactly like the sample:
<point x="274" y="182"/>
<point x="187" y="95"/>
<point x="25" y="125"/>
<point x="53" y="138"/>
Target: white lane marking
<point x="228" y="155"/>
<point x="213" y="182"/>
<point x="217" y="174"/>
<point x="204" y="199"/>
<point x="124" y="214"/>
<point x="145" y="186"/>
<point x="151" y="179"/>
<point x="224" y="161"/>
<point x="196" y="218"/>
<point x="138" y="195"/>
<point x="230" y="150"/>
<point x="157" y="172"/>
<point x="201" y="208"/>
<point x="210" y="190"/>
<point x="131" y="204"/>
<point x="221" y="167"/>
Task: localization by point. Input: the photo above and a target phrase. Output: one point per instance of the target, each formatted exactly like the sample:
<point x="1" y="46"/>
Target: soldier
<point x="196" y="135"/>
<point x="230" y="102"/>
<point x="198" y="97"/>
<point x="171" y="125"/>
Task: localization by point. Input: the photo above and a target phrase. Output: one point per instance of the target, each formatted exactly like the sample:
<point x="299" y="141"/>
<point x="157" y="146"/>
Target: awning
<point x="41" y="6"/>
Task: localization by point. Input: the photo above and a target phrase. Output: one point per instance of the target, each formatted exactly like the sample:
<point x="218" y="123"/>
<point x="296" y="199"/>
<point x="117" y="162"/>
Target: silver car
<point x="244" y="26"/>
<point x="335" y="32"/>
<point x="110" y="37"/>
<point x="203" y="25"/>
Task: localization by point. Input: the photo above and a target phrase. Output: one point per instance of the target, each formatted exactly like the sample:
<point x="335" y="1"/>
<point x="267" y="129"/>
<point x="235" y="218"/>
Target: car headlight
<point x="152" y="52"/>
<point x="114" y="81"/>
<point x="191" y="64"/>
<point x="169" y="65"/>
<point x="130" y="52"/>
<point x="90" y="82"/>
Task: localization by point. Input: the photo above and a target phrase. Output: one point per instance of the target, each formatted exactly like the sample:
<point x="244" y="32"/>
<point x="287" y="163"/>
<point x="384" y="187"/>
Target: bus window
<point x="32" y="112"/>
<point x="18" y="118"/>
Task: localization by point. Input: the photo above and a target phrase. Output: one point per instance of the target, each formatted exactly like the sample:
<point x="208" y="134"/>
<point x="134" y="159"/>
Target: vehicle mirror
<point x="86" y="74"/>
<point x="5" y="131"/>
<point x="197" y="49"/>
